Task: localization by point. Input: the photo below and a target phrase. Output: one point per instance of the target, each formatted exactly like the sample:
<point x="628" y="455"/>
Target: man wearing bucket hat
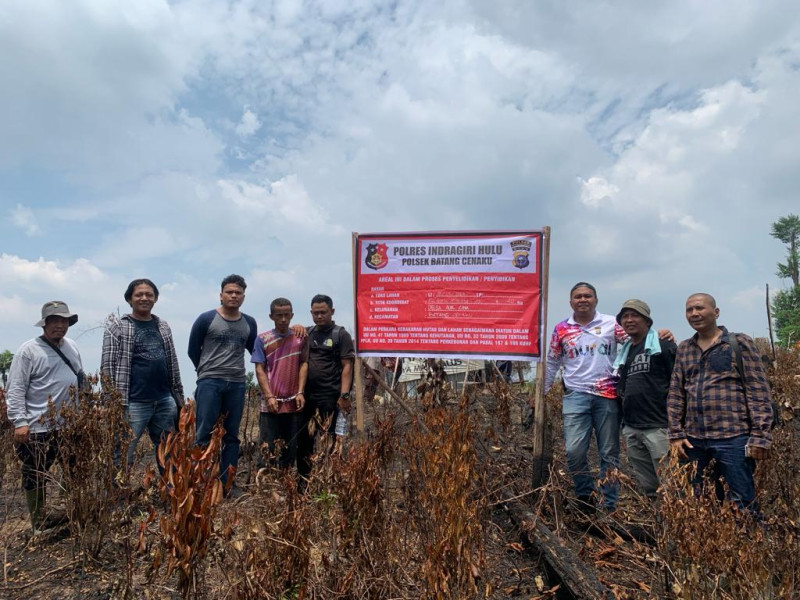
<point x="43" y="368"/>
<point x="644" y="364"/>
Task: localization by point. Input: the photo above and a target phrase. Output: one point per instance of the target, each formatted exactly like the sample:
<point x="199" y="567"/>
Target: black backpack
<point x="737" y="354"/>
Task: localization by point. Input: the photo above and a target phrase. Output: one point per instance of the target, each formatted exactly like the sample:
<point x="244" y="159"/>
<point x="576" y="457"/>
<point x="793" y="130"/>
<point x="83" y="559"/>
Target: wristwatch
<point x="345" y="396"/>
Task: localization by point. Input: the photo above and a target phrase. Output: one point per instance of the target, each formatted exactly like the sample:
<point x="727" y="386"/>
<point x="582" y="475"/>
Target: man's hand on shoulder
<point x="299" y="331"/>
<point x="666" y="334"/>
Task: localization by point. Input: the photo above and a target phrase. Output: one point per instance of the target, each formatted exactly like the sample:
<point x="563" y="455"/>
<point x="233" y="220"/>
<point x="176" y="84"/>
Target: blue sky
<point x="186" y="140"/>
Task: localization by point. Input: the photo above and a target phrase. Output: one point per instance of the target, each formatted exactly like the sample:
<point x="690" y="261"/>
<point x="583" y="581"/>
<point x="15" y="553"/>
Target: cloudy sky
<point x="186" y="140"/>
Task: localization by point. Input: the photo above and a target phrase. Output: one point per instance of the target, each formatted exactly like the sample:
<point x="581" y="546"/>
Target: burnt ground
<point x="52" y="566"/>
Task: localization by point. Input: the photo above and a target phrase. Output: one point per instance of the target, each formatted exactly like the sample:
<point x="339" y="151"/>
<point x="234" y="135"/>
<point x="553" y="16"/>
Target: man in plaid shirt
<point x="715" y="413"/>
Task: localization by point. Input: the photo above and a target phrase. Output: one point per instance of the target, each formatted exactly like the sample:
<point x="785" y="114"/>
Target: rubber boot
<point x="35" y="501"/>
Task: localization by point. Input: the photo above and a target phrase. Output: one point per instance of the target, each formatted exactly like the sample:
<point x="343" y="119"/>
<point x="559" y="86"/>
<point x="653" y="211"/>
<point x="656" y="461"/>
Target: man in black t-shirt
<point x="645" y="367"/>
<point x="140" y="363"/>
<point x="330" y="376"/>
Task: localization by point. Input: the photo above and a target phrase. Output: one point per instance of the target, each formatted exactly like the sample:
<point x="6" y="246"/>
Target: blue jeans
<point x="730" y="465"/>
<point x="157" y="416"/>
<point x="583" y="413"/>
<point x="215" y="397"/>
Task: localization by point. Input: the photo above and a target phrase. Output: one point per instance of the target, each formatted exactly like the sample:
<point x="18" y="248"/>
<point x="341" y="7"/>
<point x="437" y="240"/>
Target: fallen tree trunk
<point x="577" y="578"/>
<point x="575" y="575"/>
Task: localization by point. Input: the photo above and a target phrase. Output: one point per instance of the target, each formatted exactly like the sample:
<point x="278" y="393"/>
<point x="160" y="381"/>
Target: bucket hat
<point x="56" y="308"/>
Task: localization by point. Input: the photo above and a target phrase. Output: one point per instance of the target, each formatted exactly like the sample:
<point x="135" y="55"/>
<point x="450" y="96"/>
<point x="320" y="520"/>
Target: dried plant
<point x="192" y="491"/>
<point x="90" y="426"/>
<point x="714" y="550"/>
<point x="267" y="551"/>
<point x="445" y="494"/>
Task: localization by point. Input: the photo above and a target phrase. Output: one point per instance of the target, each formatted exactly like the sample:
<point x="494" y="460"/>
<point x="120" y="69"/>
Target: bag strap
<point x="337" y="351"/>
<point x="737" y="354"/>
<point x="61" y="354"/>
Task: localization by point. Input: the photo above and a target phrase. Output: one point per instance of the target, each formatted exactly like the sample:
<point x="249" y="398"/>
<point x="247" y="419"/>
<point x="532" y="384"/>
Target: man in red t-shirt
<point x="281" y="363"/>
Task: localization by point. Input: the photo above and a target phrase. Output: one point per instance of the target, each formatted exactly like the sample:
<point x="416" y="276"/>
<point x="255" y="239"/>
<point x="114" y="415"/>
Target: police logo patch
<point x="376" y="256"/>
<point x="521" y="250"/>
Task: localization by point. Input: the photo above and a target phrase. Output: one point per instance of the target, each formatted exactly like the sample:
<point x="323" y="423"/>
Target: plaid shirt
<point x="707" y="398"/>
<point x="118" y="355"/>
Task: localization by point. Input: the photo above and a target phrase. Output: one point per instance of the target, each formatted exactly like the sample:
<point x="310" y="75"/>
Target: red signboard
<point x="449" y="295"/>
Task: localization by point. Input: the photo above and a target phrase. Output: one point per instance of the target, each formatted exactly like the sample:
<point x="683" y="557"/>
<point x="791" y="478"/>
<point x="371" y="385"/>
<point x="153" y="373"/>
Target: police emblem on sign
<point x="522" y="251"/>
<point x="376" y="256"/>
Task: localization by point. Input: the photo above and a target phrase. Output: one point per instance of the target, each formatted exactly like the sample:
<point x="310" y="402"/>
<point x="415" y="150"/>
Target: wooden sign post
<point x="542" y="455"/>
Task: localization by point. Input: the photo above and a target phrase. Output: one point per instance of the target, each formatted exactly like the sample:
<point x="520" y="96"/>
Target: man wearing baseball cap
<point x="43" y="368"/>
<point x="644" y="364"/>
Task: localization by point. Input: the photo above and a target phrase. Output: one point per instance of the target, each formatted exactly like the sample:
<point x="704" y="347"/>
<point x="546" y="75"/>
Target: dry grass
<point x="410" y="510"/>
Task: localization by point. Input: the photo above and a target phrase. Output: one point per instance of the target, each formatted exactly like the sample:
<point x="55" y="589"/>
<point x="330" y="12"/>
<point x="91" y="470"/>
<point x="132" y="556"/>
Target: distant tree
<point x="786" y="303"/>
<point x="5" y="364"/>
<point x="786" y="313"/>
<point x="787" y="230"/>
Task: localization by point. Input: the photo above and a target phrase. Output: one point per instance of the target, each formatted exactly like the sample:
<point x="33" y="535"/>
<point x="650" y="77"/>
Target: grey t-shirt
<point x="222" y="356"/>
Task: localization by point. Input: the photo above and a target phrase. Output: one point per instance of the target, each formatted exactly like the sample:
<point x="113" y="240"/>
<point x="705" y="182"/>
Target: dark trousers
<point x="323" y="410"/>
<point x="37" y="456"/>
<point x="213" y="398"/>
<point x="285" y="427"/>
<point x="729" y="464"/>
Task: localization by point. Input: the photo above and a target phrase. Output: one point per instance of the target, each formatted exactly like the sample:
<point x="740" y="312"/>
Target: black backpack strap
<point x="337" y="351"/>
<point x="733" y="342"/>
<point x="737" y="355"/>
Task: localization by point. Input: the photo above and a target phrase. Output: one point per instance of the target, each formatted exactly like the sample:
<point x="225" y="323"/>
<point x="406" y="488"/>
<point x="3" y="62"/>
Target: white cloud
<point x="24" y="218"/>
<point x="286" y="204"/>
<point x="49" y="273"/>
<point x="248" y="124"/>
<point x="596" y="190"/>
<point x="661" y="170"/>
<point x="192" y="139"/>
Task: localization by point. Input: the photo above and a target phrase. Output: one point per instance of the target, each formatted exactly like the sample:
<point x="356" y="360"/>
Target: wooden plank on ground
<point x="578" y="577"/>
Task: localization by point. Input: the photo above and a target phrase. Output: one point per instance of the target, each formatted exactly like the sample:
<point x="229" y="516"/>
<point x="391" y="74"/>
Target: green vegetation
<point x="786" y="303"/>
<point x="5" y="364"/>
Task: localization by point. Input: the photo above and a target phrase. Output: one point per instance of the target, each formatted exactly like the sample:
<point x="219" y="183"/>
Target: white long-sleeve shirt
<point x="37" y="374"/>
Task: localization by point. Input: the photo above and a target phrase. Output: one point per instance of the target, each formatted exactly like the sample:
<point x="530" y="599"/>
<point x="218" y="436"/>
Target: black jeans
<point x="285" y="427"/>
<point x="37" y="456"/>
<point x="326" y="406"/>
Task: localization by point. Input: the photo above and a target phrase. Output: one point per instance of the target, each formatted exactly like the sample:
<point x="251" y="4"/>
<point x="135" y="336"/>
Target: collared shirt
<point x="37" y="375"/>
<point x="118" y="341"/>
<point x="587" y="354"/>
<point x="708" y="399"/>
